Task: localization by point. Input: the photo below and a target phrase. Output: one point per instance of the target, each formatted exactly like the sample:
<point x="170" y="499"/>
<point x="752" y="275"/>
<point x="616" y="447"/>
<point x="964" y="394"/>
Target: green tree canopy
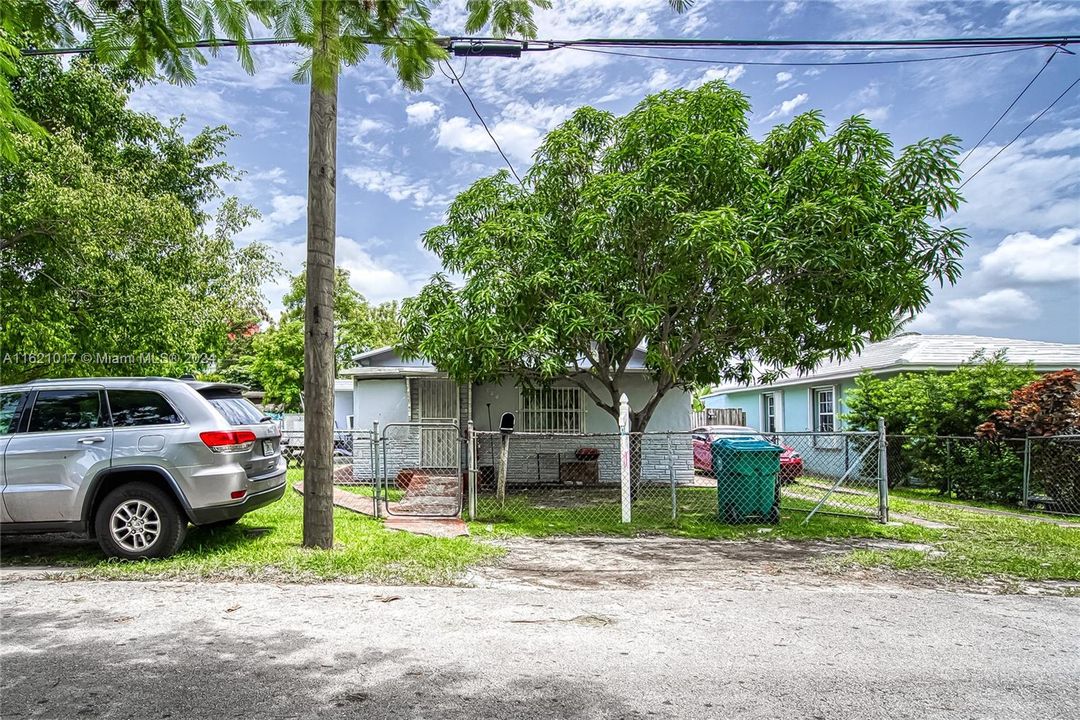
<point x="276" y="362"/>
<point x="105" y="247"/>
<point x="933" y="403"/>
<point x="673" y="228"/>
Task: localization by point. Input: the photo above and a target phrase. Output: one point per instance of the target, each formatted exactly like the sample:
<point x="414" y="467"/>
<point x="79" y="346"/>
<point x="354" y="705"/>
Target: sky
<point x="402" y="155"/>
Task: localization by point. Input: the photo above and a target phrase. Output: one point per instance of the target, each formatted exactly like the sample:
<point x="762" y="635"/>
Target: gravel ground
<point x="604" y="629"/>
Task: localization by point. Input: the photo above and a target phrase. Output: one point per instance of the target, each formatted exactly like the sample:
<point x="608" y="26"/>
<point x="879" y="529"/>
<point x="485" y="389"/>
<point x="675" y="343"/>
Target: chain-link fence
<point x="1038" y="473"/>
<point x="573" y="482"/>
<point x="576" y="480"/>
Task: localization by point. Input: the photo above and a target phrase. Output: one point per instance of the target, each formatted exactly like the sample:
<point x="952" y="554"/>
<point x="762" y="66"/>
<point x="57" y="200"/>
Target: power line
<point x="814" y="63"/>
<point x="1006" y="111"/>
<point x="642" y="43"/>
<point x="455" y="79"/>
<point x="1025" y="128"/>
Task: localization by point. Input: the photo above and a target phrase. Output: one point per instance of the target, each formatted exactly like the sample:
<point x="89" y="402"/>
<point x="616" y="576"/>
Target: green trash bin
<point x="747" y="472"/>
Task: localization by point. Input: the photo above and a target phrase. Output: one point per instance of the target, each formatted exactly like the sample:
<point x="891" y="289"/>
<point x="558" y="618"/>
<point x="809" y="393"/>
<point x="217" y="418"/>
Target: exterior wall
<point x="531" y="458"/>
<point x="828" y="457"/>
<point x="343" y="408"/>
<point x="375" y="400"/>
<point x="536" y="458"/>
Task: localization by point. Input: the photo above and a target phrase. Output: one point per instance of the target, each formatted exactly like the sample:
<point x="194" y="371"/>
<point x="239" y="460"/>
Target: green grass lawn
<point x="983" y="545"/>
<point x="934" y="495"/>
<point x="266" y="545"/>
<point x="599" y="512"/>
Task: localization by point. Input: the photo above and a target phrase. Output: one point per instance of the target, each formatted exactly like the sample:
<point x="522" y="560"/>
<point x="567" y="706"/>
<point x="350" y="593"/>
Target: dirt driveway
<point x="653" y="628"/>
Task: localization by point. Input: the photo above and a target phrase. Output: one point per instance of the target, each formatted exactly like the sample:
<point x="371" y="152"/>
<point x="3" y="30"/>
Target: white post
<point x="624" y="455"/>
<point x="471" y="452"/>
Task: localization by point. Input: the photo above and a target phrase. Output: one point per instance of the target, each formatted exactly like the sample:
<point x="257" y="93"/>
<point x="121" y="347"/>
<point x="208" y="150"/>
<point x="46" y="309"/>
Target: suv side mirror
<point x="506" y="425"/>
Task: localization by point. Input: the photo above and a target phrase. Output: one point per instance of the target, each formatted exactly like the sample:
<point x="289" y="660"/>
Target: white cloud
<point x="1030" y="14"/>
<point x="996" y="308"/>
<point x="787" y="107"/>
<point x="284" y="211"/>
<point x="376" y="278"/>
<point x="1029" y="258"/>
<point x="876" y="114"/>
<point x="287" y="209"/>
<point x="394" y="185"/>
<point x="422" y="113"/>
<point x="728" y="74"/>
<point x="274" y="175"/>
<point x="1027" y="186"/>
<point x="784" y="79"/>
<point x="519" y="128"/>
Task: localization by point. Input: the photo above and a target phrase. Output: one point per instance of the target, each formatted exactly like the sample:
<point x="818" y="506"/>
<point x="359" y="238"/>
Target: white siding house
<point x="387" y="390"/>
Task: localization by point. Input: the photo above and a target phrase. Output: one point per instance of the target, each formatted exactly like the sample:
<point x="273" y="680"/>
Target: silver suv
<point x="133" y="460"/>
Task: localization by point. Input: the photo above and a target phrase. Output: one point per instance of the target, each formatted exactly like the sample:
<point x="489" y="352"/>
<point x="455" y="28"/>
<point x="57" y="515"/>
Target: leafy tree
<point x="276" y="360"/>
<point x="158" y="33"/>
<point x="277" y="363"/>
<point x="673" y="228"/>
<point x="358" y="325"/>
<point x="103" y="249"/>
<point x="932" y="403"/>
<point x="145" y="36"/>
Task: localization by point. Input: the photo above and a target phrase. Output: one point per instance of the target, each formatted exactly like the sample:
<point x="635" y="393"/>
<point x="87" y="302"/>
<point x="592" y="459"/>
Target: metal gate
<point x="419" y="469"/>
<point x="839" y="473"/>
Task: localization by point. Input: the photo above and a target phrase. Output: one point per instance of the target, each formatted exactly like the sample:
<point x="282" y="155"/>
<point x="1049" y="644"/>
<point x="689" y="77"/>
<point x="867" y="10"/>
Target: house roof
<point x="385" y="362"/>
<point x="912" y="351"/>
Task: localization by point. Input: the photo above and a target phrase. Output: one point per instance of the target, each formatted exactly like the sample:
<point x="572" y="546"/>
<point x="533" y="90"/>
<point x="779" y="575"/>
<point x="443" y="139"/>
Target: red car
<point x="791" y="465"/>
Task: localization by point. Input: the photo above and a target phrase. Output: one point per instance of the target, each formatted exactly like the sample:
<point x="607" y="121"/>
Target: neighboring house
<point x="815" y="401"/>
<point x="390" y="390"/>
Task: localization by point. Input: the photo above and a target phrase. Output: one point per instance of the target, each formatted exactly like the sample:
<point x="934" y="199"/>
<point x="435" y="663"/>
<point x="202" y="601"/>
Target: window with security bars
<point x="551" y="409"/>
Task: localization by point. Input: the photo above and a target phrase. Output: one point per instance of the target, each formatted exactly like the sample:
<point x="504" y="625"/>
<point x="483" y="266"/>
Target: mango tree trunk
<point x="319" y="318"/>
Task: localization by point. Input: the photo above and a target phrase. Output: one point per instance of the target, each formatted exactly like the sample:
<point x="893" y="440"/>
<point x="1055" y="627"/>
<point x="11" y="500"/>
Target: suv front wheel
<point x="139" y="520"/>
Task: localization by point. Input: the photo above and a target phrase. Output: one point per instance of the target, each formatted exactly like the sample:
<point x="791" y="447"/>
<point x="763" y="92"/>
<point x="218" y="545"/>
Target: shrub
<point x="1047" y="407"/>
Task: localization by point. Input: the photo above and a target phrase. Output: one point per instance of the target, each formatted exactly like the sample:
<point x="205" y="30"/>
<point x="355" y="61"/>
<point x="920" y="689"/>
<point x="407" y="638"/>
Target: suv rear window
<point x="237" y="410"/>
<point x="131" y="408"/>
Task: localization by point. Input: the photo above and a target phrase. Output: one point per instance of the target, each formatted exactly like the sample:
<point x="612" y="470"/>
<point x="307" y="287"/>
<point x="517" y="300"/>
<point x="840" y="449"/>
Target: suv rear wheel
<point x="139" y="520"/>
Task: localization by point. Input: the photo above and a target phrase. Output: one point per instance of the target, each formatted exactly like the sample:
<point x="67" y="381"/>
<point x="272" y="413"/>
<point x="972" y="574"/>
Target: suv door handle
<point x="91" y="440"/>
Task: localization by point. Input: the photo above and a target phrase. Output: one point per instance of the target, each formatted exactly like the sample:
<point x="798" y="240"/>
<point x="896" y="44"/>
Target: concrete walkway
<point x="445" y="527"/>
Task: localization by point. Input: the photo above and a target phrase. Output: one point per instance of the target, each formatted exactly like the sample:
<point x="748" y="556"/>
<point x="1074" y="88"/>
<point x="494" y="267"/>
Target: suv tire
<point x="139" y="520"/>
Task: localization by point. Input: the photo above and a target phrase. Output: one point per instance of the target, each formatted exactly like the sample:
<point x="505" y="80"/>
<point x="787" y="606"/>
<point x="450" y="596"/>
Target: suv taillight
<point x="228" y="441"/>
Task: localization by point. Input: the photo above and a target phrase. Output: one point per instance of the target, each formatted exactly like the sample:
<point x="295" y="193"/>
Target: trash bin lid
<point x="742" y="444"/>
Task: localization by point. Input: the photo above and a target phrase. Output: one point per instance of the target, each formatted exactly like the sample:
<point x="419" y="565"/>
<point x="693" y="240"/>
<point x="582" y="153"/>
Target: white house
<point x="552" y="423"/>
<point x="815" y="401"/>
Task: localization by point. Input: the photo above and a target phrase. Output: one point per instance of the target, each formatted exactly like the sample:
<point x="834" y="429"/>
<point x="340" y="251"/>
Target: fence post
<point x="883" y="472"/>
<point x="1027" y="473"/>
<point x="624" y="455"/>
<point x="375" y="474"/>
<point x="472" y="471"/>
<point x="671" y="479"/>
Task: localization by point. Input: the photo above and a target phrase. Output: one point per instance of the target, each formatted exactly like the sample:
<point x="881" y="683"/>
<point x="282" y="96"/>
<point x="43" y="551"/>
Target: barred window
<point x="551" y="409"/>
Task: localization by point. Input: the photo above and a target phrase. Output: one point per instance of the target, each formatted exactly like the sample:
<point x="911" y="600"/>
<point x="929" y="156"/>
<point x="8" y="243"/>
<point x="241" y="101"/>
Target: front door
<point x="67" y="441"/>
<point x="438" y="406"/>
